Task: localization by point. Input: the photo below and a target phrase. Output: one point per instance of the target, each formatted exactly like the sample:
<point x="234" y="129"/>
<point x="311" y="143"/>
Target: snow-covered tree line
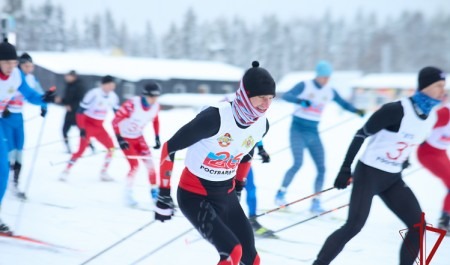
<point x="405" y="42"/>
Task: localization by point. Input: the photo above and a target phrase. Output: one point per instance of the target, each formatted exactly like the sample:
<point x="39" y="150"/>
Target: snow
<point x="392" y="80"/>
<point x="88" y="215"/>
<point x="134" y="68"/>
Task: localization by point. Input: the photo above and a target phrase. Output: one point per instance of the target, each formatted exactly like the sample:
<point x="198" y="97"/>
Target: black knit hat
<point x="151" y="89"/>
<point x="429" y="75"/>
<point x="107" y="79"/>
<point x="258" y="81"/>
<point x="25" y="58"/>
<point x="7" y="51"/>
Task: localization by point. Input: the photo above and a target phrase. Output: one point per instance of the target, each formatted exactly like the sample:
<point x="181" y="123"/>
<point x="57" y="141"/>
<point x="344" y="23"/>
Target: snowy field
<point x="87" y="215"/>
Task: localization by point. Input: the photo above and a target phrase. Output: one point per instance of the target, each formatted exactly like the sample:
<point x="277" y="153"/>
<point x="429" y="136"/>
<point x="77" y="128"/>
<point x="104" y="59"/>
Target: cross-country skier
<point x="14" y="124"/>
<point x="433" y="155"/>
<point x="11" y="81"/>
<point x="90" y="116"/>
<point x="217" y="161"/>
<point x="311" y="98"/>
<point x="394" y="130"/>
<point x="250" y="188"/>
<point x="129" y="123"/>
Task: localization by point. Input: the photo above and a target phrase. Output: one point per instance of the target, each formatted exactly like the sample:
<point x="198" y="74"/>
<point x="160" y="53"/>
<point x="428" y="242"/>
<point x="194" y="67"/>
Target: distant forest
<point x="404" y="43"/>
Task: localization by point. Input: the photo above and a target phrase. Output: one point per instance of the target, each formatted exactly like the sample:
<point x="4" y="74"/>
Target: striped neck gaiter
<point x="243" y="111"/>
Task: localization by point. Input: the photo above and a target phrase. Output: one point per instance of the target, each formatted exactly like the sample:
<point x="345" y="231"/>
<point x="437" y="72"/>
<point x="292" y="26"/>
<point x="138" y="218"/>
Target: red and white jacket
<point x="133" y="116"/>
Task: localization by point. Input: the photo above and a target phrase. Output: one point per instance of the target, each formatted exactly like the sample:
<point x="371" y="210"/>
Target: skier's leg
<point x="401" y="200"/>
<point x="359" y="208"/>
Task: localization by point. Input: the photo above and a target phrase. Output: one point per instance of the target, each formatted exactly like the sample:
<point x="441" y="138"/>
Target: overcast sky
<point x="162" y="12"/>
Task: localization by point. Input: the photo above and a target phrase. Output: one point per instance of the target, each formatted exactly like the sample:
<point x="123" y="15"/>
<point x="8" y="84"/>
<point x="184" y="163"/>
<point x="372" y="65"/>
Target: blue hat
<point x="323" y="69"/>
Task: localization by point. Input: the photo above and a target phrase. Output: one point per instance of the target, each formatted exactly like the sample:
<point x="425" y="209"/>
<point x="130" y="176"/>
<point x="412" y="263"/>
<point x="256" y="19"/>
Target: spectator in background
<point x="73" y="95"/>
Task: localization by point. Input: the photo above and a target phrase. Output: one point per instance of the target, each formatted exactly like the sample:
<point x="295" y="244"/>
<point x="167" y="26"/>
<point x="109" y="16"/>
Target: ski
<point x="33" y="240"/>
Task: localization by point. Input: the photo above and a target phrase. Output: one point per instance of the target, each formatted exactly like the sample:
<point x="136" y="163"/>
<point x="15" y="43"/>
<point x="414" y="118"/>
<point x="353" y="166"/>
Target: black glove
<point x="406" y="164"/>
<point x="304" y="103"/>
<point x="124" y="145"/>
<point x="343" y="178"/>
<point x="360" y="112"/>
<point x="43" y="111"/>
<point x="158" y="142"/>
<point x="82" y="133"/>
<point x="239" y="186"/>
<point x="263" y="154"/>
<point x="164" y="206"/>
<point x="6" y="113"/>
<point x="49" y="96"/>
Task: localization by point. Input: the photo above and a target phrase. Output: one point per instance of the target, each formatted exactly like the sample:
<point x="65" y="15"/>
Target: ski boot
<point x="444" y="223"/>
<point x="16" y="192"/>
<point x="4" y="229"/>
<point x="316" y="207"/>
<point x="64" y="175"/>
<point x="105" y="177"/>
<point x="280" y="198"/>
<point x="260" y="230"/>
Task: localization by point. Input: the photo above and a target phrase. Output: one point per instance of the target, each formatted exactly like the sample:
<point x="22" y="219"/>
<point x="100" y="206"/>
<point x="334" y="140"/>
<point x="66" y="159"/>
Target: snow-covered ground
<point x="87" y="215"/>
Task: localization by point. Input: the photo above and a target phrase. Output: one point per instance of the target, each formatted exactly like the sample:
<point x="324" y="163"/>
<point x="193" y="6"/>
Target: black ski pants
<point x="398" y="197"/>
<point x="219" y="218"/>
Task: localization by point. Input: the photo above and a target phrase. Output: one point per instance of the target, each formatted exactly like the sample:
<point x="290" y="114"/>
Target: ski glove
<point x="360" y="112"/>
<point x="49" y="96"/>
<point x="158" y="142"/>
<point x="239" y="186"/>
<point x="263" y="154"/>
<point x="43" y="111"/>
<point x="6" y="113"/>
<point x="304" y="103"/>
<point x="124" y="145"/>
<point x="343" y="178"/>
<point x="164" y="206"/>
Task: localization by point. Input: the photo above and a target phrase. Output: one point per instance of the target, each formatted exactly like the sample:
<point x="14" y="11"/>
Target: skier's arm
<point x="116" y="102"/>
<point x="30" y="94"/>
<point x="389" y="117"/>
<point x="292" y="95"/>
<point x="204" y="125"/>
<point x="443" y="115"/>
<point x="124" y="112"/>
<point x="343" y="103"/>
<point x="156" y="125"/>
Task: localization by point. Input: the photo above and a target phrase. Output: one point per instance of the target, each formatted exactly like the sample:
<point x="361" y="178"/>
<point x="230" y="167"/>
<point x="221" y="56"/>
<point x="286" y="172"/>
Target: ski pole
<point x="296" y="201"/>
<point x="117" y="243"/>
<point x="161" y="247"/>
<point x="311" y="218"/>
<point x="30" y="174"/>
